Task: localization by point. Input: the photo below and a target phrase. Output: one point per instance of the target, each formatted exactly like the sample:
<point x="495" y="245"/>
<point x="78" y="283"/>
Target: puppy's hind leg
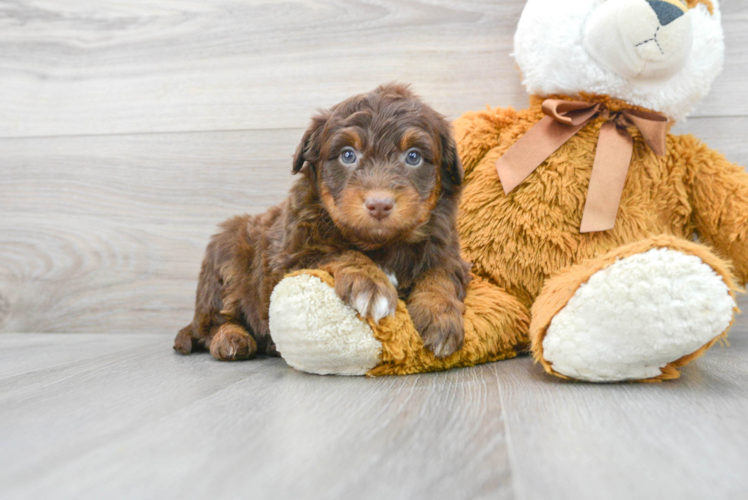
<point x="227" y="342"/>
<point x="185" y="343"/>
<point x="218" y="324"/>
<point x="208" y="305"/>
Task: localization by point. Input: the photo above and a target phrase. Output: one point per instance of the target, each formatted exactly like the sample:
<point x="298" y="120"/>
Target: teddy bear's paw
<point x="316" y="332"/>
<point x="634" y="317"/>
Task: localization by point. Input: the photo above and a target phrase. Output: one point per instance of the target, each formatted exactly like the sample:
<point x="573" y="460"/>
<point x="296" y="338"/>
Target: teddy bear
<point x="607" y="247"/>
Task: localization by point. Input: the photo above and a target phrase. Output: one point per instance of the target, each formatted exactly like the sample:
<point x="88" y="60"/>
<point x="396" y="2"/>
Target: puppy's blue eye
<point x="348" y="156"/>
<point x="413" y="158"/>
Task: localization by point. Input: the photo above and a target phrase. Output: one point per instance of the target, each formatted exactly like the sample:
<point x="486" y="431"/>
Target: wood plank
<point x="22" y="353"/>
<point x="83" y="67"/>
<point x="83" y="273"/>
<point x="107" y="233"/>
<point x="151" y="177"/>
<point x="144" y="422"/>
<point x="683" y="439"/>
<point x="147" y="423"/>
<point x="80" y="67"/>
<point x="728" y="94"/>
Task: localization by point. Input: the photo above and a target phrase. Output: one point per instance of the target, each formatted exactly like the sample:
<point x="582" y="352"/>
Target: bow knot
<point x="612" y="157"/>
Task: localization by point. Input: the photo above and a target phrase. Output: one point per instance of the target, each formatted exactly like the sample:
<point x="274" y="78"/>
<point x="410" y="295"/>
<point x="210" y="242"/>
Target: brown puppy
<point x="375" y="207"/>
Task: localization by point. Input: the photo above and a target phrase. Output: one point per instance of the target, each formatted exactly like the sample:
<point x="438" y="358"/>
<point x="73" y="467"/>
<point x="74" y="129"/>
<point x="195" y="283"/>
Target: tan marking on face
<point x="350" y="215"/>
<point x="352" y="136"/>
<point x="414" y="136"/>
<point x="434" y="197"/>
<point x="353" y="212"/>
<point x="328" y="201"/>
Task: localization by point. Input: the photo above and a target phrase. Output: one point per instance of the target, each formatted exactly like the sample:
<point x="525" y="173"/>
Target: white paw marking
<point x="441" y="350"/>
<point x="361" y="303"/>
<point x="376" y="307"/>
<point x="438" y="348"/>
<point x="391" y="276"/>
<point x="381" y="308"/>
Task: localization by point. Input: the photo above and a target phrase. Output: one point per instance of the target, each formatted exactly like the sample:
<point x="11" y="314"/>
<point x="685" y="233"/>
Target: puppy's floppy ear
<point x="309" y="147"/>
<point x="452" y="172"/>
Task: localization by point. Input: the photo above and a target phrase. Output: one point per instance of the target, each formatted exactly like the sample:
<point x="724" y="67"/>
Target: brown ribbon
<point x="612" y="159"/>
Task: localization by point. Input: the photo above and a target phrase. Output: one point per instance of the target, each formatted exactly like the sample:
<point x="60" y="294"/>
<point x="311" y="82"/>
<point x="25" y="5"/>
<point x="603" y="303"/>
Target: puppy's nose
<point x="379" y="206"/>
<point x="666" y="11"/>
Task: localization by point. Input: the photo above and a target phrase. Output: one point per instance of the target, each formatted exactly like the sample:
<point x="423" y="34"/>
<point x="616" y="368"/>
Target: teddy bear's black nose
<point x="666" y="12"/>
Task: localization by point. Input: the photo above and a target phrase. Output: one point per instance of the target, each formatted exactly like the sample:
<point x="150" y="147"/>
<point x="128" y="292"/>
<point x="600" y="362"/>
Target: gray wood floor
<point x="122" y="416"/>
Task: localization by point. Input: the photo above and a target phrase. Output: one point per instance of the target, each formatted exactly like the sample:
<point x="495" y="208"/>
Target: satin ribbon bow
<point x="612" y="158"/>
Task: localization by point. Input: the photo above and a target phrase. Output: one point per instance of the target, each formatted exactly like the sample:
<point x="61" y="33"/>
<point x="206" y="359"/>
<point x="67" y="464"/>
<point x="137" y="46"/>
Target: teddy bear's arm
<point x="719" y="194"/>
<point x="477" y="132"/>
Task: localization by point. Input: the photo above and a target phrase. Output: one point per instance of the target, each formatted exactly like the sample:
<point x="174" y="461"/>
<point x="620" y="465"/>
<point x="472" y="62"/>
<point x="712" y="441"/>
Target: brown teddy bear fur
<point x="518" y="241"/>
<point x="526" y="248"/>
<point x="522" y="241"/>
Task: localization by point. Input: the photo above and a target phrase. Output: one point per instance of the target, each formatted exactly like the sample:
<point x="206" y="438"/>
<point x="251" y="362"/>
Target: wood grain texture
<point x="725" y="134"/>
<point x="23" y="354"/>
<point x="101" y="416"/>
<point x="143" y="422"/>
<point x="86" y="67"/>
<point x="729" y="93"/>
<point x="158" y="177"/>
<point x="685" y="439"/>
<point x="83" y="67"/>
<point x="106" y="233"/>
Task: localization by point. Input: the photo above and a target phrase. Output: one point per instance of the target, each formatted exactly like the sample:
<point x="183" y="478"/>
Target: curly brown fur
<point x="384" y="225"/>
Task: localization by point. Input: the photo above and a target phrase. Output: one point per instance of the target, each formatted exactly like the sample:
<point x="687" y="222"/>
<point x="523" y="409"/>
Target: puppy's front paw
<point x="372" y="295"/>
<point x="440" y="325"/>
<point x="232" y="342"/>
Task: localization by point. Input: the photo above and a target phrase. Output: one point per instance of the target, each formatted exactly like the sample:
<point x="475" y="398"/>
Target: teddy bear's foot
<point x="653" y="307"/>
<point x="316" y="332"/>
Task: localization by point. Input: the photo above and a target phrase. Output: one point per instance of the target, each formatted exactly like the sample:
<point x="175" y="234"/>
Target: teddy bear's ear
<point x="451" y="168"/>
<point x="311" y="143"/>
